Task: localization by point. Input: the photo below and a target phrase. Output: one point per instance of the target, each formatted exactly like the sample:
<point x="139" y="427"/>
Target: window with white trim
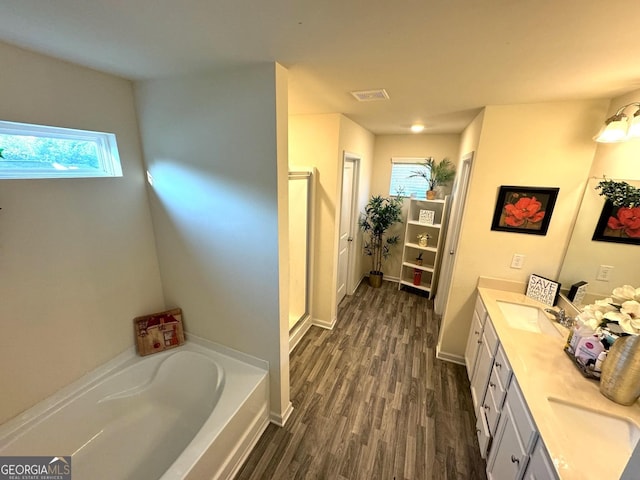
<point x="39" y="151"/>
<point x="401" y="180"/>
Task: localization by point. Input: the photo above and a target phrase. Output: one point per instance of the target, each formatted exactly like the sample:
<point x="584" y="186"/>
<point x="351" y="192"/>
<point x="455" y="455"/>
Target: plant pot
<point x="431" y="194"/>
<point x="418" y="261"/>
<point x="375" y="279"/>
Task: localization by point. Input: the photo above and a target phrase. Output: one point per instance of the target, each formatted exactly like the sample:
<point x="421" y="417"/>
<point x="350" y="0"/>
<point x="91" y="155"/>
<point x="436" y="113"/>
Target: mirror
<point x="584" y="256"/>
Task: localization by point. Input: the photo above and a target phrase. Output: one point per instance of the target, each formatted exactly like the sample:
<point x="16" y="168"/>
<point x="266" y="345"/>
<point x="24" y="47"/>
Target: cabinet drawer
<point x="496" y="389"/>
<point x="482" y="431"/>
<point x="480" y="309"/>
<point x="490" y="336"/>
<point x="502" y="367"/>
<point x="521" y="416"/>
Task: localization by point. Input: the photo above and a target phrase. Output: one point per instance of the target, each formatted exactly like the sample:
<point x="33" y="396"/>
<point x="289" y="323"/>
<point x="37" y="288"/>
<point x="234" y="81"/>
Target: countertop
<point x="544" y="370"/>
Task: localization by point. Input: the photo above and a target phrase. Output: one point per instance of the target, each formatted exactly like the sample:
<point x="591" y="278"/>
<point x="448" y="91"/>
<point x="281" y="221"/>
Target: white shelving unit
<point x="431" y="254"/>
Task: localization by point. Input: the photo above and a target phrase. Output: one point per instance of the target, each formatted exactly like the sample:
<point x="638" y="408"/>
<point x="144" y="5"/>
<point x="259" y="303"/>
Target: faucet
<point x="561" y="317"/>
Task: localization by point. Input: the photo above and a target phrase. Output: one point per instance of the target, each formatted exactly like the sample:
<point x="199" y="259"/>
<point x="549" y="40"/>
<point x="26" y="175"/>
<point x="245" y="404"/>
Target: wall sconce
<point x="618" y="128"/>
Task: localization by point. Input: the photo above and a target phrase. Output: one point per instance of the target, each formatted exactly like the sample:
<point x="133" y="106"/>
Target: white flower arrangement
<point x="608" y="310"/>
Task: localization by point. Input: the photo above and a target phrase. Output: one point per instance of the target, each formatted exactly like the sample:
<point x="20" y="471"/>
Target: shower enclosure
<point x="300" y="215"/>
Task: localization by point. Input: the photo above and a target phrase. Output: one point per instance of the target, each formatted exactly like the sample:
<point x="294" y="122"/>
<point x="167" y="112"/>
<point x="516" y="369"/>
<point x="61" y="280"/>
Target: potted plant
<point x="419" y="259"/>
<point x="621" y="194"/>
<point x="378" y="216"/>
<point x="436" y="174"/>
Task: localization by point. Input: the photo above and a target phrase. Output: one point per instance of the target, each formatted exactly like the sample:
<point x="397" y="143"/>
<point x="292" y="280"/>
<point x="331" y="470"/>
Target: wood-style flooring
<point x="371" y="401"/>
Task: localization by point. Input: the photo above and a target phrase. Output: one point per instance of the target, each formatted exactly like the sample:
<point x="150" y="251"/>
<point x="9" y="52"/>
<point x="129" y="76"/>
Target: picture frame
<point x="426" y="217"/>
<point x="616" y="225"/>
<point x="524" y="209"/>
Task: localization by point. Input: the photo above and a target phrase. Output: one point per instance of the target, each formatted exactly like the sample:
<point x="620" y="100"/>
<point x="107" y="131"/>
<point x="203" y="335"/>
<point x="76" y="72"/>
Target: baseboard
<point x="299" y="332"/>
<point x="281" y="419"/>
<point x="449" y="357"/>
<point x="324" y="324"/>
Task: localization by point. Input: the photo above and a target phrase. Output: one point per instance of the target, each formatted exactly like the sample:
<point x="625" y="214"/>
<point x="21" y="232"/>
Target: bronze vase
<point x="620" y="379"/>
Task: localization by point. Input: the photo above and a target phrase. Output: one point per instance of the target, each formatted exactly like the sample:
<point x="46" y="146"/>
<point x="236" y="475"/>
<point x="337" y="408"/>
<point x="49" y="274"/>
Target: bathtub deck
<point x="372" y="401"/>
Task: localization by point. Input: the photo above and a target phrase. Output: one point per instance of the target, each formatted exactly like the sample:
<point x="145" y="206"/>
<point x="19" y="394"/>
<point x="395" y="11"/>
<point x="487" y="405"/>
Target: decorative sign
<point x="543" y="290"/>
<point x="159" y="331"/>
<point x="426" y="217"/>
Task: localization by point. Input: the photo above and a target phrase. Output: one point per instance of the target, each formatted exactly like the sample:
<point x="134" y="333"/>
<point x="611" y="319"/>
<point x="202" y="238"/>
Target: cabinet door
<point x="540" y="466"/>
<point x="473" y="344"/>
<point x="507" y="457"/>
<point x="481" y="374"/>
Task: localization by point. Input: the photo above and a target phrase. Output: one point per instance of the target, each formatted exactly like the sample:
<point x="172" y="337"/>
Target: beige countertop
<point x="544" y="371"/>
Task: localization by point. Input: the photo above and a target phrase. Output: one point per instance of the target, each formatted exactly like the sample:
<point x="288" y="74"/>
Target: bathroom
<point x="82" y="257"/>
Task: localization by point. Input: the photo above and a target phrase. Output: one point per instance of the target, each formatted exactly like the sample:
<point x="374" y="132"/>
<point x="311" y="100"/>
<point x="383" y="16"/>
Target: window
<point x="38" y="151"/>
<point x="401" y="180"/>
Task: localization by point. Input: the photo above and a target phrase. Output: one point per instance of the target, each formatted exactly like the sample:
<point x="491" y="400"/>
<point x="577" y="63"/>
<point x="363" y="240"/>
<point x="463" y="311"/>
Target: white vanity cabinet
<point x="506" y="432"/>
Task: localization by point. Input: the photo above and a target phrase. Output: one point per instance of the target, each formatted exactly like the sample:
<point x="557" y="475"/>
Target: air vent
<point x="371" y="95"/>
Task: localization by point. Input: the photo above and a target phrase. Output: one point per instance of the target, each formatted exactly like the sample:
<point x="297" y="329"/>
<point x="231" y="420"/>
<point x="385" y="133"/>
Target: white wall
<point x="388" y="146"/>
<point x="77" y="256"/>
<point x="213" y="144"/>
<point x="546" y="145"/>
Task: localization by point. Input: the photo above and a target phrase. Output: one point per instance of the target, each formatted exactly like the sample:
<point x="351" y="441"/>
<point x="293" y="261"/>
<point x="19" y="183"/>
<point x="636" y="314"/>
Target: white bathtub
<point x="187" y="413"/>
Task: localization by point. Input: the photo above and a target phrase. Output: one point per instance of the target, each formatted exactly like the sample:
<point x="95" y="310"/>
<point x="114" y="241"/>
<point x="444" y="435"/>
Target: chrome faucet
<point x="561" y="317"/>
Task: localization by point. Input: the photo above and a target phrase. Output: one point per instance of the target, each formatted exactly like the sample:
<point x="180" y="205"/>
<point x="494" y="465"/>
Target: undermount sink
<point x="527" y="318"/>
<point x="607" y="434"/>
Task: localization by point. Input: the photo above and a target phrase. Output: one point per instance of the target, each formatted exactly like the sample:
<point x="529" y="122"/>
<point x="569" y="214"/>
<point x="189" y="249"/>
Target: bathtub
<point x="188" y="413"/>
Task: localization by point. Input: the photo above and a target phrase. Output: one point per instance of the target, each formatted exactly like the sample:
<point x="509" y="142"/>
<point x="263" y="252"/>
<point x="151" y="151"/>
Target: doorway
<point x="348" y="215"/>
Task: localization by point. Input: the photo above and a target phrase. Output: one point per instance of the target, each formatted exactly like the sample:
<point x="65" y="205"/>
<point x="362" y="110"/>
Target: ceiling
<point x="439" y="60"/>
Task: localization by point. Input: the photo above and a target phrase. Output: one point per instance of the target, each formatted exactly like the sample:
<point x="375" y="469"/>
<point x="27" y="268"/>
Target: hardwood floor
<point x="371" y="401"/>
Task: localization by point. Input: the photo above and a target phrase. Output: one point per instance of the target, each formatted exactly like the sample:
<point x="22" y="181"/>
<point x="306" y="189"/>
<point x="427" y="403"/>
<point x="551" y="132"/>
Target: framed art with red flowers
<point x="524" y="209"/>
<point x="618" y="224"/>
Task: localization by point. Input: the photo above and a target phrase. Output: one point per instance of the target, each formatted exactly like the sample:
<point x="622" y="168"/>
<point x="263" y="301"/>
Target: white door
<point x="346" y="226"/>
<point x="460" y="187"/>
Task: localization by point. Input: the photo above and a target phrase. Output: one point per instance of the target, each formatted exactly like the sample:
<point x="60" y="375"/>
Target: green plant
<point x="435" y="174"/>
<point x="378" y="216"/>
<point x="621" y="194"/>
<point x="1" y="149"/>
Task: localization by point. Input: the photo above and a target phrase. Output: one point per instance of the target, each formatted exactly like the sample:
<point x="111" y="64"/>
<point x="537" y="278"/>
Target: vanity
<point x="537" y="416"/>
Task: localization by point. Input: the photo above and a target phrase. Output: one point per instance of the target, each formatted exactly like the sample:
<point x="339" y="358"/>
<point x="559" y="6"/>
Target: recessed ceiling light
<point x="417" y="128"/>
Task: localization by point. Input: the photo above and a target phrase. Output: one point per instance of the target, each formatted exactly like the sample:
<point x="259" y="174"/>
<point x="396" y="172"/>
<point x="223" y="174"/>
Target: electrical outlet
<point x="517" y="261"/>
<point x="604" y="273"/>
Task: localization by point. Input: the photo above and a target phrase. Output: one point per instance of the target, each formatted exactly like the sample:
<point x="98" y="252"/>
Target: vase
<point x="431" y="194"/>
<point x="620" y="378"/>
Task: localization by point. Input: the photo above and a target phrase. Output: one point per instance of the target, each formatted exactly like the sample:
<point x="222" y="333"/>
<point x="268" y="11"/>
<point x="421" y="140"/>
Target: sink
<point x="609" y="435"/>
<point x="527" y="318"/>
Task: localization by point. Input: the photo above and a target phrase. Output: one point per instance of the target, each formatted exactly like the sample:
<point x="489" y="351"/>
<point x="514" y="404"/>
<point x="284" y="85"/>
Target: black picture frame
<point x="614" y="225"/>
<point x="524" y="209"/>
